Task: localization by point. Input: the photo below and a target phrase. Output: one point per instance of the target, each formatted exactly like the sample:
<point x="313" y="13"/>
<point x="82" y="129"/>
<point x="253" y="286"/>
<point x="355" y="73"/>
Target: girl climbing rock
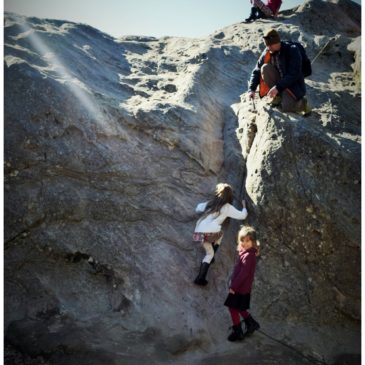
<point x="208" y="230"/>
<point x="238" y="300"/>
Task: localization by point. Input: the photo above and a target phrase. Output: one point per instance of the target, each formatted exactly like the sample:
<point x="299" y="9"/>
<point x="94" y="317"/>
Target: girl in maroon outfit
<point x="238" y="300"/>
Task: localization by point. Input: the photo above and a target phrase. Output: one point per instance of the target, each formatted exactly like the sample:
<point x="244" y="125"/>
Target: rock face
<point x="110" y="144"/>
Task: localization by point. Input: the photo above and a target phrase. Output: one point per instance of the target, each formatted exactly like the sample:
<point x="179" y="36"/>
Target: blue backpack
<point x="306" y="63"/>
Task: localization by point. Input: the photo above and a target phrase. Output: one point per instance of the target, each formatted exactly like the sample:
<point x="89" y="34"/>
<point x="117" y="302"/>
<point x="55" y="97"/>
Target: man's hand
<point x="231" y="291"/>
<point x="273" y="92"/>
<point x="251" y="94"/>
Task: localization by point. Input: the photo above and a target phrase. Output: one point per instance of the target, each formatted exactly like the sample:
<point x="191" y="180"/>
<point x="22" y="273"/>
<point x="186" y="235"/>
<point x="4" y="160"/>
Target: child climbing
<point x="238" y="300"/>
<point x="259" y="10"/>
<point x="208" y="230"/>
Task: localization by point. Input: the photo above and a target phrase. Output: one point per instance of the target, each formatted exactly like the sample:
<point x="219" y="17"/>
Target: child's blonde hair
<point x="250" y="232"/>
<point x="223" y="194"/>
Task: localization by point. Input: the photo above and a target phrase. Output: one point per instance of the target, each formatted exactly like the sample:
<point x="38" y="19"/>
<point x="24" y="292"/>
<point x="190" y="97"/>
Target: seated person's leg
<point x="290" y="104"/>
<point x="265" y="11"/>
<point x="270" y="75"/>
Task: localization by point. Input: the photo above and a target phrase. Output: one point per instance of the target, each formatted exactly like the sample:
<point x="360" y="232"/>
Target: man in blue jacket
<point x="278" y="73"/>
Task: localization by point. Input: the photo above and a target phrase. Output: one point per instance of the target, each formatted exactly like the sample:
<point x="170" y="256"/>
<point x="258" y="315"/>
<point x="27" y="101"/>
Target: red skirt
<point x="207" y="237"/>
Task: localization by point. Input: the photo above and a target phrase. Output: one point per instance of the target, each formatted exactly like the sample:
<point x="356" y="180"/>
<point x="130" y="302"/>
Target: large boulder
<point x="110" y="144"/>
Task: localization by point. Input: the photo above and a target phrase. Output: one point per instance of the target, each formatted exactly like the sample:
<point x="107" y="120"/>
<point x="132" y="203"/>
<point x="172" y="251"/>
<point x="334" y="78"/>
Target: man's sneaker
<point x="307" y="110"/>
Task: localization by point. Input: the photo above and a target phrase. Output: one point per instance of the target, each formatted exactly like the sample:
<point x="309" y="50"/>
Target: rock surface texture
<point x="111" y="143"/>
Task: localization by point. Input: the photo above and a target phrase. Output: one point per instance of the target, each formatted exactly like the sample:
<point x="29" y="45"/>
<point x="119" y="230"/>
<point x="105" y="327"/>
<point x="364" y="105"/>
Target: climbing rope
<point x="253" y="104"/>
<point x="323" y="48"/>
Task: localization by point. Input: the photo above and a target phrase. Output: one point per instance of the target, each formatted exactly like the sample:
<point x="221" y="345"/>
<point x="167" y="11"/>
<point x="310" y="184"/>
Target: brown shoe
<point x="307" y="110"/>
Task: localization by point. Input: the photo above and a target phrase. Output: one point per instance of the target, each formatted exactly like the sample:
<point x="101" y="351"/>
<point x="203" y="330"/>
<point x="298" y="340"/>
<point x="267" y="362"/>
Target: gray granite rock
<point x="110" y="144"/>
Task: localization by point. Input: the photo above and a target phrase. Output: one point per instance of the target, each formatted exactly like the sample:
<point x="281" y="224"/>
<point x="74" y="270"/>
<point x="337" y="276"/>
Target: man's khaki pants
<point x="271" y="77"/>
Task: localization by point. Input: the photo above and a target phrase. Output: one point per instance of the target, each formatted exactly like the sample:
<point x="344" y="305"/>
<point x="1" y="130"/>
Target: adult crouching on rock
<point x="278" y="73"/>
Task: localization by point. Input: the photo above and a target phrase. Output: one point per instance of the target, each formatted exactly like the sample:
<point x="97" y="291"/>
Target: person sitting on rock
<point x="238" y="299"/>
<point x="259" y="10"/>
<point x="208" y="230"/>
<point x="278" y="73"/>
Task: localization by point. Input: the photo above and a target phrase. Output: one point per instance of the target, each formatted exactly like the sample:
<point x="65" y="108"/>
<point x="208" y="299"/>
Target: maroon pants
<point x="235" y="315"/>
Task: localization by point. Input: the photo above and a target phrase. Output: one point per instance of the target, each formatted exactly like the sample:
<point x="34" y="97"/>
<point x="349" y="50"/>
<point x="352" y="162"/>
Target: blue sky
<point x="186" y="18"/>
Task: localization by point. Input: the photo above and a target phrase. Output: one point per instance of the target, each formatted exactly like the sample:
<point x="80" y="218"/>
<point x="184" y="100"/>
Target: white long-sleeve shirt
<point x="213" y="222"/>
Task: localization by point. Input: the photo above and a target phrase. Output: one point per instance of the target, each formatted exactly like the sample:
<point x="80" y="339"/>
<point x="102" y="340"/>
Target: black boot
<point x="237" y="333"/>
<point x="215" y="248"/>
<point x="200" y="279"/>
<point x="259" y="14"/>
<point x="251" y="326"/>
<point x="252" y="15"/>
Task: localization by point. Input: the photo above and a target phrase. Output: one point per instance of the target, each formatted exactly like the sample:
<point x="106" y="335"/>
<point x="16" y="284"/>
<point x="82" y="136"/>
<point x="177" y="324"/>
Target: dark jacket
<point x="290" y="61"/>
<point x="244" y="271"/>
